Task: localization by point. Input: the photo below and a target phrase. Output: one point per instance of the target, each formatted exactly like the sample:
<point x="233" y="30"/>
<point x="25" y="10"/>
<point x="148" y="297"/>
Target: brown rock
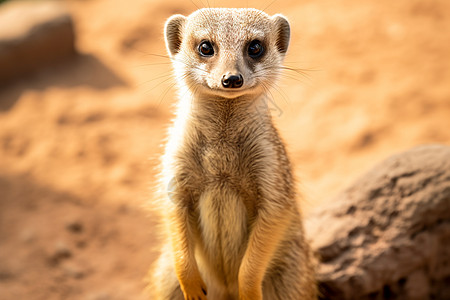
<point x="33" y="34"/>
<point x="388" y="235"/>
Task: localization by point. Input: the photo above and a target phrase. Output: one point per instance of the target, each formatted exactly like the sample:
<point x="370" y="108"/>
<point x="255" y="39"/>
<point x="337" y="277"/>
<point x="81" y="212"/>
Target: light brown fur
<point x="234" y="228"/>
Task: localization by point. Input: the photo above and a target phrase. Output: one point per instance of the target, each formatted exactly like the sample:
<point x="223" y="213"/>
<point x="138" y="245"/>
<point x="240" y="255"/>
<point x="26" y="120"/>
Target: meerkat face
<point x="227" y="52"/>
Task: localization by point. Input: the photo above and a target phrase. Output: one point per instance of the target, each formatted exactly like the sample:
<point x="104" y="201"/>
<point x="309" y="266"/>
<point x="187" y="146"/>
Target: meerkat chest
<point x="223" y="211"/>
<point x="229" y="156"/>
<point x="222" y="176"/>
<point x="221" y="162"/>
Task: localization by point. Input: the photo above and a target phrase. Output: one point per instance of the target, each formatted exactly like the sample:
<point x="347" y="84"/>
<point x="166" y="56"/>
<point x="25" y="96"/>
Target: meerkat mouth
<point x="230" y="93"/>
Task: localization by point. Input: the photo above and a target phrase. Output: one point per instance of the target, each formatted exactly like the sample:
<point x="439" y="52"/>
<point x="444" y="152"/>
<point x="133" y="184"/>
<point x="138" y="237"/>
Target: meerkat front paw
<point x="194" y="289"/>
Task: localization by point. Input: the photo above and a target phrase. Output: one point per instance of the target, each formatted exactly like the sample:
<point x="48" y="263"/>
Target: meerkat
<point x="234" y="227"/>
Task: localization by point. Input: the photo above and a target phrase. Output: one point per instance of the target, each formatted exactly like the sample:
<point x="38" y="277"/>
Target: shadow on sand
<point x="82" y="70"/>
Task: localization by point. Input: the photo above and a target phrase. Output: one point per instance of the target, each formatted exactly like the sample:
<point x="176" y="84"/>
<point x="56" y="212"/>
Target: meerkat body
<point x="234" y="228"/>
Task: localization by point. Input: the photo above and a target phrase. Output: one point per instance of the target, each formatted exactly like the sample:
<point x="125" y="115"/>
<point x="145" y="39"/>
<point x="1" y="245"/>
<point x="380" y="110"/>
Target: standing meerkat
<point x="234" y="228"/>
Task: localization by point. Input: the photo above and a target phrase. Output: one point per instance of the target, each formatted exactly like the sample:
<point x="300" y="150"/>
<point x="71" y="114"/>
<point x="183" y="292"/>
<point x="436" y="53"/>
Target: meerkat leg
<point x="186" y="268"/>
<point x="267" y="232"/>
<point x="289" y="276"/>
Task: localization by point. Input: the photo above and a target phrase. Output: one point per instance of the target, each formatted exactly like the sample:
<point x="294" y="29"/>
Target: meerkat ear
<point x="283" y="31"/>
<point x="173" y="33"/>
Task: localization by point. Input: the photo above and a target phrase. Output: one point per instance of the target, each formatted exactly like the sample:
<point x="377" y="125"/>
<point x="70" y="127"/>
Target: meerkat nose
<point x="232" y="81"/>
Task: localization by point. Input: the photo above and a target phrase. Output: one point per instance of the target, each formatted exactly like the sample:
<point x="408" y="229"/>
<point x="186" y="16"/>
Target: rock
<point x="33" y="34"/>
<point x="388" y="235"/>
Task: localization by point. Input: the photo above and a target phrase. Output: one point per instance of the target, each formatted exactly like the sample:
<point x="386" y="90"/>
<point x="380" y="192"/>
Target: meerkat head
<point x="227" y="52"/>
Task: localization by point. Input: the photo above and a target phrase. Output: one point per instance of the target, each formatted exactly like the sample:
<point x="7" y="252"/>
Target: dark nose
<point x="232" y="81"/>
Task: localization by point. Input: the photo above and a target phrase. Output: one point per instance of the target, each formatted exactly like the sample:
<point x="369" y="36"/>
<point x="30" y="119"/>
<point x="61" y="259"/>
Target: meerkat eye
<point x="255" y="49"/>
<point x="206" y="49"/>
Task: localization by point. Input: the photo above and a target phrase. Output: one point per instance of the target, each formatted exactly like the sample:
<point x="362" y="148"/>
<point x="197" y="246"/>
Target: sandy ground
<point x="79" y="142"/>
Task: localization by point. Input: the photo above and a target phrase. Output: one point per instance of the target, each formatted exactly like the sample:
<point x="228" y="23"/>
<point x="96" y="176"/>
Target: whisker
<point x="166" y="91"/>
<point x="192" y="1"/>
<point x="280" y="71"/>
<point x="277" y="73"/>
<point x="302" y="72"/>
<point x="167" y="74"/>
<point x="270" y="4"/>
<point x="158" y="55"/>
<point x="174" y="59"/>
<point x="154" y="87"/>
<point x="152" y="64"/>
<point x="290" y="63"/>
<point x="281" y="92"/>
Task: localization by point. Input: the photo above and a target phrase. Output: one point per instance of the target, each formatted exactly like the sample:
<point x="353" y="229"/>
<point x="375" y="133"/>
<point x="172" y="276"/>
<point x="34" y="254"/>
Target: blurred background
<point x="85" y="100"/>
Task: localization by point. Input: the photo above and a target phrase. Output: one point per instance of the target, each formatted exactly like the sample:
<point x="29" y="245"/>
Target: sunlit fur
<point x="234" y="228"/>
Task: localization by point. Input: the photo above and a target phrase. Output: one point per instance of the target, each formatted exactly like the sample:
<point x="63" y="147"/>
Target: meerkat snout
<point x="232" y="81"/>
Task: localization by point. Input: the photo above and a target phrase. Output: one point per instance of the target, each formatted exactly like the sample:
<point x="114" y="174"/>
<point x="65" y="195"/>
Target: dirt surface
<point x="79" y="142"/>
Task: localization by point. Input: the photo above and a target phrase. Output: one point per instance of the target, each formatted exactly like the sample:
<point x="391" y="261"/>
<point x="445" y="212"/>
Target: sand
<point x="80" y="142"/>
